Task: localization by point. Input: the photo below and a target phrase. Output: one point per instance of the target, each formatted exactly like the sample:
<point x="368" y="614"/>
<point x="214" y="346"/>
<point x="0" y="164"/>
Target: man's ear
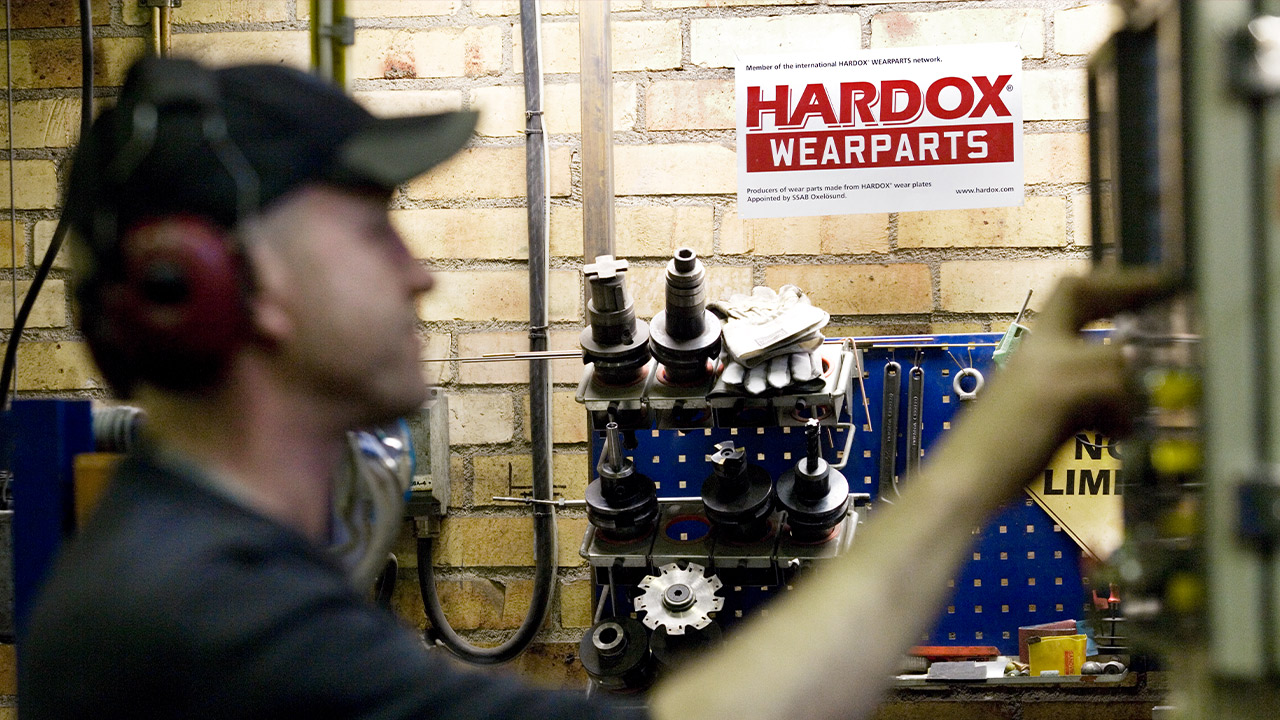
<point x="268" y="304"/>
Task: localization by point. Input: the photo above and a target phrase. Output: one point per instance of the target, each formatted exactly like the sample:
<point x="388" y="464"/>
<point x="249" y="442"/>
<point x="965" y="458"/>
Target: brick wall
<point x="910" y="272"/>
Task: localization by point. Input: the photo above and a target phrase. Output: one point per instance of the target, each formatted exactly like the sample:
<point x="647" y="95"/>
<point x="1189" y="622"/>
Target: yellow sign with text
<point x="1080" y="489"/>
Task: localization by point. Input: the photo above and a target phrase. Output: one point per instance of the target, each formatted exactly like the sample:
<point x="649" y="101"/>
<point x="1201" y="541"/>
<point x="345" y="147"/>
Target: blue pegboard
<point x="1023" y="569"/>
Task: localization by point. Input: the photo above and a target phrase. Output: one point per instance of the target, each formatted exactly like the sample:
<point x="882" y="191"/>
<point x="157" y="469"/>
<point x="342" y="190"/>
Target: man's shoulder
<point x="157" y="535"/>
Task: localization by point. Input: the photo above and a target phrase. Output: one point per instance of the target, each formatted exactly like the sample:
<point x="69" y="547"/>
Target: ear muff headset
<point x="165" y="297"/>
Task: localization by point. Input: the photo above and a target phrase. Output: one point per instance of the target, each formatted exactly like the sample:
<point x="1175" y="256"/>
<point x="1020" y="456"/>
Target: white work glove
<point x="770" y="339"/>
<point x="765" y="323"/>
<point x="777" y="373"/>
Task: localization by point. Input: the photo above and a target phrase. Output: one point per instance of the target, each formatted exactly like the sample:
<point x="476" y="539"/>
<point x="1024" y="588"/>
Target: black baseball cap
<point x="161" y="150"/>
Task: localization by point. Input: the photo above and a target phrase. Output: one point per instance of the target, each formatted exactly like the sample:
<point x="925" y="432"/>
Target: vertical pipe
<point x="597" y="130"/>
<point x="329" y="40"/>
<point x="321" y="42"/>
<point x="166" y="24"/>
<point x="539" y="294"/>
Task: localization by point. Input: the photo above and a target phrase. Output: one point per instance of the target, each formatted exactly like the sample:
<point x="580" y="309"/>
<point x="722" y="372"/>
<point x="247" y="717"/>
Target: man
<point x="240" y="279"/>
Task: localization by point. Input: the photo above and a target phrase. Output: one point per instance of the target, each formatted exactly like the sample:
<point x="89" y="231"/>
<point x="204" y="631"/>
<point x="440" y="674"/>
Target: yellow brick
<point x="658" y="231"/>
<point x="548" y="7"/>
<point x="890" y="326"/>
<point x="1056" y="158"/>
<point x="7" y="249"/>
<point x="491" y="233"/>
<point x="820" y="235"/>
<point x="396" y="103"/>
<point x="55" y="62"/>
<point x="221" y="11"/>
<point x="577" y="604"/>
<point x="484" y="604"/>
<point x="486" y="295"/>
<point x="516" y="371"/>
<point x="287" y="47"/>
<point x="502" y="109"/>
<point x="674" y="169"/>
<point x="648" y="285"/>
<point x="437" y="346"/>
<point x="1055" y="95"/>
<point x="489" y="172"/>
<point x="1082" y="219"/>
<point x="406" y="601"/>
<point x="562" y="107"/>
<point x="457" y="475"/>
<point x="503" y="541"/>
<point x="675" y="4"/>
<point x="553" y="666"/>
<point x="35" y="185"/>
<point x="955" y="27"/>
<point x="640" y="231"/>
<point x="720" y="42"/>
<point x="233" y="11"/>
<point x="49" y="123"/>
<point x="43" y="237"/>
<point x="54" y="14"/>
<point x="635" y="45"/>
<point x="476" y="419"/>
<point x="59" y="365"/>
<point x="424" y="53"/>
<point x="566" y="231"/>
<point x="1001" y="285"/>
<point x="859" y="289"/>
<point x="50" y="309"/>
<point x="1041" y="222"/>
<point x="958" y="328"/>
<point x="705" y="104"/>
<point x="568" y="418"/>
<point x="511" y="475"/>
<point x="8" y="669"/>
<point x="401" y="8"/>
<point x="1080" y="30"/>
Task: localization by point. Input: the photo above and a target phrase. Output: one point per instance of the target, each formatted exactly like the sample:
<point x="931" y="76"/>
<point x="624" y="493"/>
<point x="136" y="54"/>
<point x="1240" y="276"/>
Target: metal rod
<point x="506" y="357"/>
<point x="930" y="345"/>
<point x="1025" y="303"/>
<point x="597" y="130"/>
<point x="563" y="503"/>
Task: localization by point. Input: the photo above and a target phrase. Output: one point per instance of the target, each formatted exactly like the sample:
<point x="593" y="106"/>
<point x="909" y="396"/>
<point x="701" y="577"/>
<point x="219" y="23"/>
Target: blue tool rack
<point x="1023" y="570"/>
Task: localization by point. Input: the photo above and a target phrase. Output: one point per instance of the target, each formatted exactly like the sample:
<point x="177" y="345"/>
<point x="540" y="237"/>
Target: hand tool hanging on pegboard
<point x="888" y="482"/>
<point x="915" y="418"/>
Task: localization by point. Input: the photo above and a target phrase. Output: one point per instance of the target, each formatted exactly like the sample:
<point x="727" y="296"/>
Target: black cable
<point x="442" y="632"/>
<point x="544" y="519"/>
<point x="60" y="232"/>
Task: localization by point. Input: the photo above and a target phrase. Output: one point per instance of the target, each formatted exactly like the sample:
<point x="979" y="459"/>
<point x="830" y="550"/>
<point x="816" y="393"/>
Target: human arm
<point x="828" y="649"/>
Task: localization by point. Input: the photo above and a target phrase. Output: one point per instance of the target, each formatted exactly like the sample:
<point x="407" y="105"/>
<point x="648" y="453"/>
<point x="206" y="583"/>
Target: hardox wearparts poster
<point x="861" y="131"/>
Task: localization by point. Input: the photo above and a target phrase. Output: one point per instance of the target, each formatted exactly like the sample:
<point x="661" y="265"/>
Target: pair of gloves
<point x="770" y="339"/>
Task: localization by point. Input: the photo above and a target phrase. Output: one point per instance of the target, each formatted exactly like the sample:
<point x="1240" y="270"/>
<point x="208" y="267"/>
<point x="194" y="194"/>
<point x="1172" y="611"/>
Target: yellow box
<point x="1063" y="654"/>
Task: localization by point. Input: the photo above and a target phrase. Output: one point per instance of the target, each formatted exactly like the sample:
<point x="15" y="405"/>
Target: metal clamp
<point x="968" y="372"/>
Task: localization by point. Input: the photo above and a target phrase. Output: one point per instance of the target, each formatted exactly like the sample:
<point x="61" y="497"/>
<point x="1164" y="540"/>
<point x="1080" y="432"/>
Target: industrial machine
<point x="1184" y="157"/>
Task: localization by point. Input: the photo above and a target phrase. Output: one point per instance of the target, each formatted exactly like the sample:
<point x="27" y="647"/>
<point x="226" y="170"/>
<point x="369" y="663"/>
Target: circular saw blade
<point x="674" y="583"/>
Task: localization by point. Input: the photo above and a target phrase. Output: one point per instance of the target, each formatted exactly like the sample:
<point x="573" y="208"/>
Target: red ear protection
<point x="178" y="310"/>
